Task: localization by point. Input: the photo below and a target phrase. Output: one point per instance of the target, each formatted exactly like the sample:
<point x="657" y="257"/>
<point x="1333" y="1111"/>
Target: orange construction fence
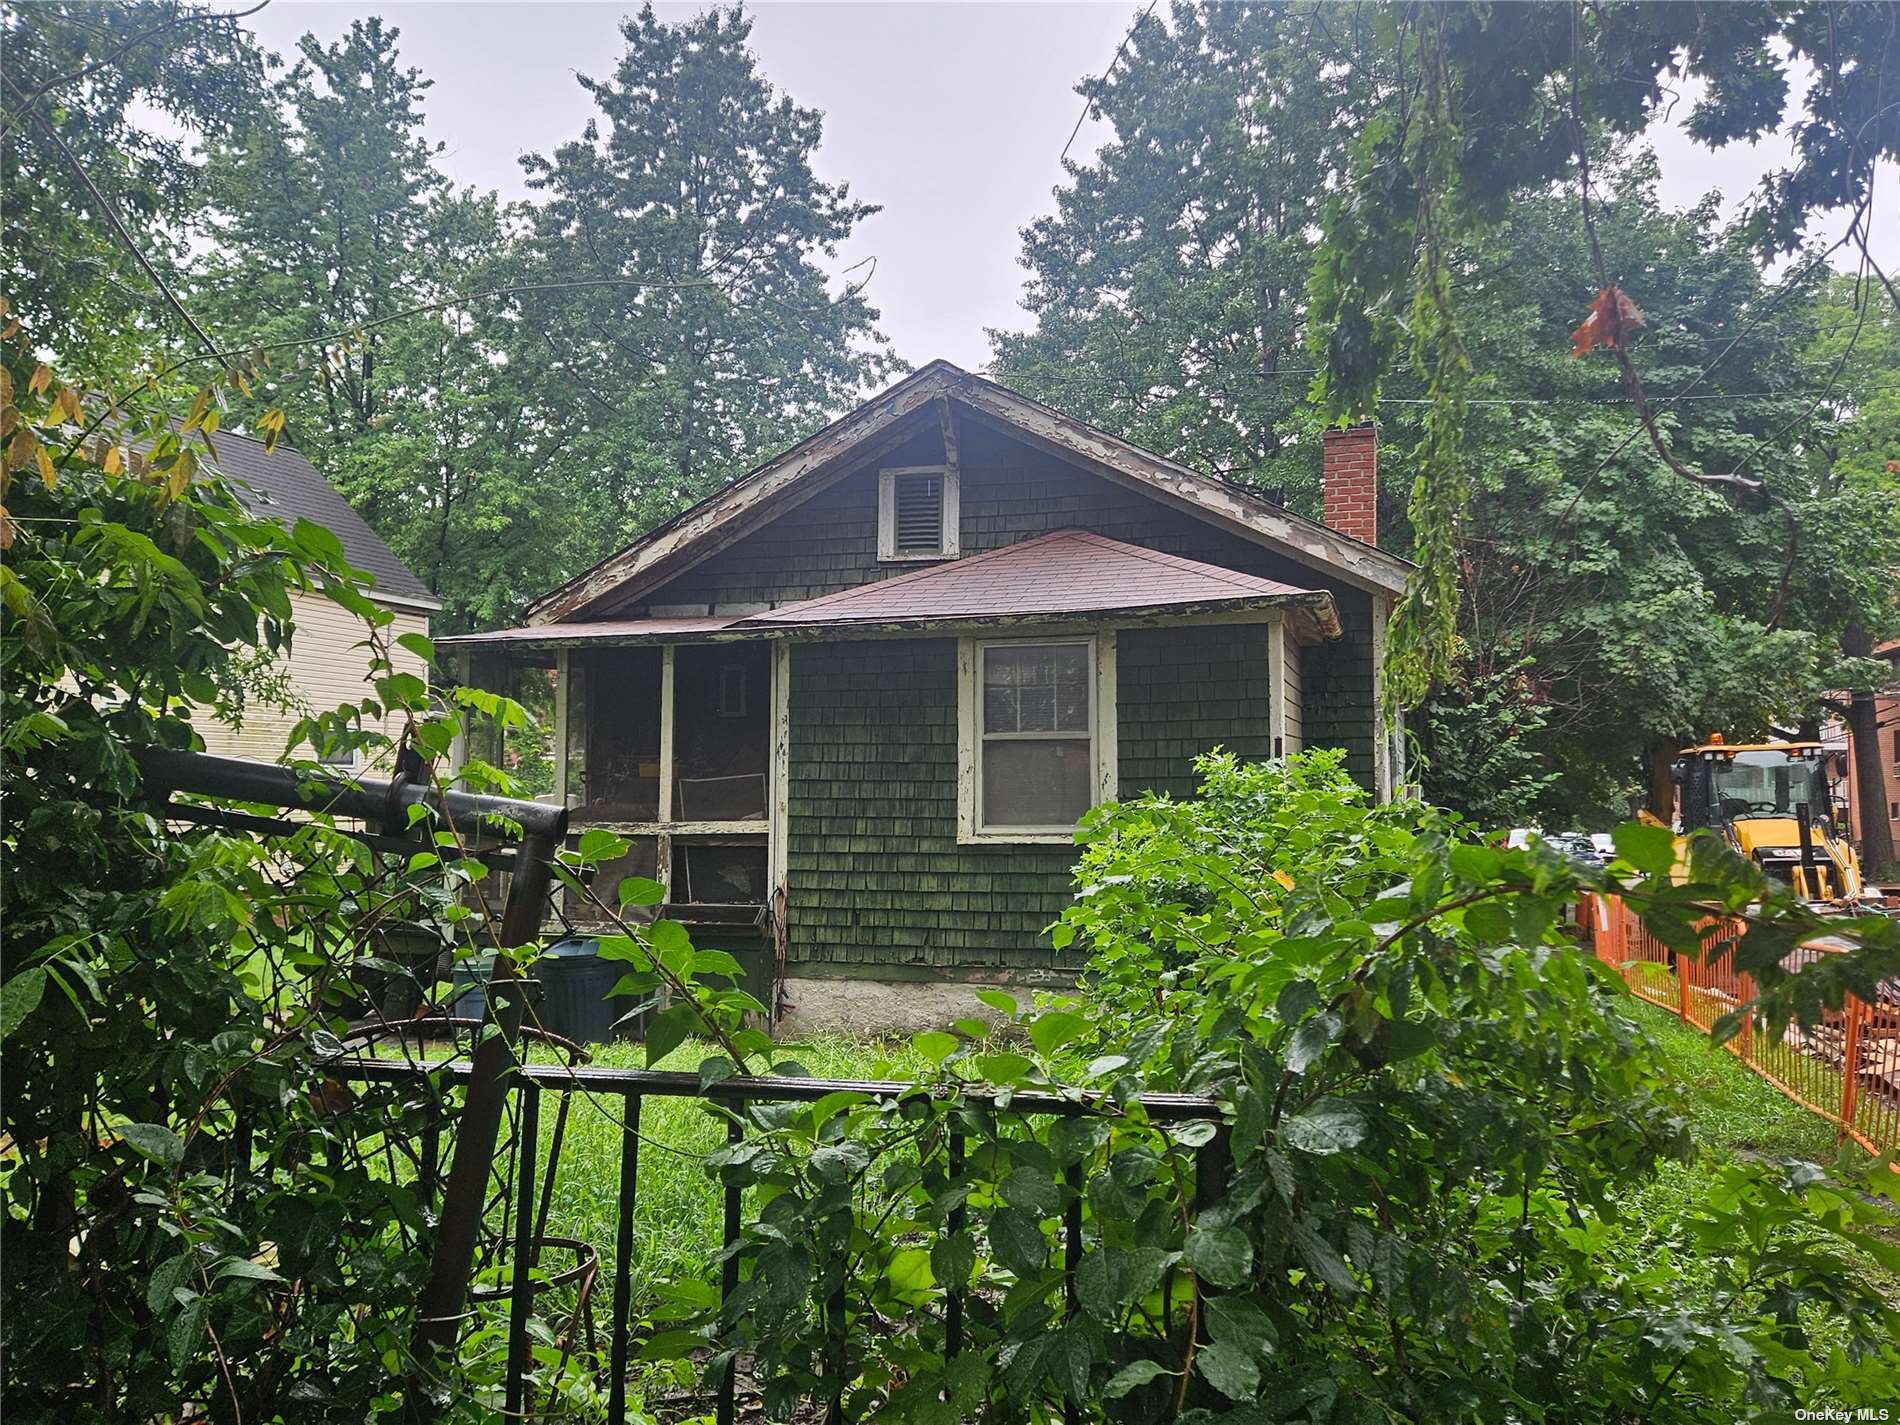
<point x="1846" y="1068"/>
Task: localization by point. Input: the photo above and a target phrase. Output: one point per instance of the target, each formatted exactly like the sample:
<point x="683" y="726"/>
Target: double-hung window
<point x="1036" y="756"/>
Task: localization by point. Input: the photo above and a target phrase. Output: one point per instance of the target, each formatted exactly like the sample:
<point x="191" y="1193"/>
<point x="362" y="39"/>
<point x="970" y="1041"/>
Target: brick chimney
<point x="1349" y="476"/>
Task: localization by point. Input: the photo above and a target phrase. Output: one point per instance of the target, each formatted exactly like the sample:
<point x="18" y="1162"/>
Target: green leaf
<point x="1133" y="1376"/>
<point x="418" y="644"/>
<point x="935" y="1046"/>
<point x="167" y="1278"/>
<point x="155" y="1141"/>
<point x="1231" y="1370"/>
<point x="910" y="1271"/>
<point x="597" y="845"/>
<point x="668" y="1030"/>
<point x="1488" y="921"/>
<point x="1647" y="848"/>
<point x="1004" y="1068"/>
<point x="1236" y="1321"/>
<point x="19" y="997"/>
<point x="714" y="1070"/>
<point x="1311" y="1040"/>
<point x="1320" y="1258"/>
<point x="1050" y="1031"/>
<point x="186" y="1332"/>
<point x="1031" y="1189"/>
<point x="623" y="947"/>
<point x="1330" y="1125"/>
<point x="953" y="1259"/>
<point x="997" y="1000"/>
<point x="639" y="890"/>
<point x="1220" y="1255"/>
<point x="670" y="942"/>
<point x="314" y="539"/>
<point x="244" y="1269"/>
<point x="1017" y="1240"/>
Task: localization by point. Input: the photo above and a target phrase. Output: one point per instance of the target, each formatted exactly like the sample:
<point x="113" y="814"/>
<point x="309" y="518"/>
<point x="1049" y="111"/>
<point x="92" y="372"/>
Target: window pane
<point x="1044" y="782"/>
<point x="1036" y="687"/>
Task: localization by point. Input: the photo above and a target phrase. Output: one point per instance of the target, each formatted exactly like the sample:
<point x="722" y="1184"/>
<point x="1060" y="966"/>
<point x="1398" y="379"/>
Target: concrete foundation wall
<point x="835" y="1004"/>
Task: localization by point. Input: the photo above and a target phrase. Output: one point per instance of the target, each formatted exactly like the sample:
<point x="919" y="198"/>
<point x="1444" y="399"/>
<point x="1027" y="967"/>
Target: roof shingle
<point x="286" y="486"/>
<point x="1067" y="571"/>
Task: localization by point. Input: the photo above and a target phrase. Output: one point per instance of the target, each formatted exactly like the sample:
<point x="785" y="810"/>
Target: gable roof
<point x="801" y="471"/>
<point x="284" y="485"/>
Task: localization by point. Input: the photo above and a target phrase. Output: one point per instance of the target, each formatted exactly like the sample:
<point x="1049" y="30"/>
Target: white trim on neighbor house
<point x="949" y="531"/>
<point x="404" y="603"/>
<point x="1102" y="734"/>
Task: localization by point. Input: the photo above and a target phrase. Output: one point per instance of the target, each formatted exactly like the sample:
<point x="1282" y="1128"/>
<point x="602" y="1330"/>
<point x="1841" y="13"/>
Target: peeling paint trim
<point x="743" y="506"/>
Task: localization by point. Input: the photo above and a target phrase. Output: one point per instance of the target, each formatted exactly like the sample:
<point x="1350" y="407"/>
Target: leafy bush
<point x="1429" y="1105"/>
<point x="198" y="1221"/>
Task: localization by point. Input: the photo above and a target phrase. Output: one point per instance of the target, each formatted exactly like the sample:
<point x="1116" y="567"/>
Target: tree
<point x="1645" y="610"/>
<point x="86" y="173"/>
<point x="1169" y="287"/>
<point x="686" y="327"/>
<point x="1479" y="102"/>
<point x="334" y="232"/>
<point x="1858" y="341"/>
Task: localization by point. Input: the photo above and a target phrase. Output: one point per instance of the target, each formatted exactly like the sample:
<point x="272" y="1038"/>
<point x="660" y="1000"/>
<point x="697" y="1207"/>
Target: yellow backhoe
<point x="1772" y="802"/>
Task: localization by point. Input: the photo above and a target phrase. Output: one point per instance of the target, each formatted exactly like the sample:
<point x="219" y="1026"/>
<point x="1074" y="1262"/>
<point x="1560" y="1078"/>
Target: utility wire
<point x="1089" y="103"/>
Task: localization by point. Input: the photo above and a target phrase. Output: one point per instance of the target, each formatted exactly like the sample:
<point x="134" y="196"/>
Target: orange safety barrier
<point x="1846" y="1068"/>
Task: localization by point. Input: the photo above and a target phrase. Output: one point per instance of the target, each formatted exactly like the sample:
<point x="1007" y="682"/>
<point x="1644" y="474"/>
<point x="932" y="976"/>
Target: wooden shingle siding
<point x="1010" y="492"/>
<point x="876" y="874"/>
<point x="1182" y="691"/>
<point x="876" y="877"/>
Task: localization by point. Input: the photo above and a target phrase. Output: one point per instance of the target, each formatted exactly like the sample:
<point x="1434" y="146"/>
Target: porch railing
<point x="531" y="1177"/>
<point x="1846" y="1068"/>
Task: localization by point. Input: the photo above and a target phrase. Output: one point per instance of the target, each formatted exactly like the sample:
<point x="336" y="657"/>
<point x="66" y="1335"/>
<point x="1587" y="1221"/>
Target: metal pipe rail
<point x="633" y="1086"/>
<point x="364" y="798"/>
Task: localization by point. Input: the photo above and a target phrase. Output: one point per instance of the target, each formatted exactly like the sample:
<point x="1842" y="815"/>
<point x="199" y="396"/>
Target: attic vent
<point x="917" y="513"/>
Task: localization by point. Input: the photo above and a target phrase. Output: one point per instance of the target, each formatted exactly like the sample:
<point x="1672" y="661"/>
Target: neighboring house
<point x="327" y="663"/>
<point x="855" y="702"/>
<point x="1887" y="725"/>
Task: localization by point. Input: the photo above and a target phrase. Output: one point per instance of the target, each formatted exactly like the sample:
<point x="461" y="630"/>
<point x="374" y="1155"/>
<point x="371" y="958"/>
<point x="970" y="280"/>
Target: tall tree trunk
<point x="1877" y="859"/>
<point x="1659" y="763"/>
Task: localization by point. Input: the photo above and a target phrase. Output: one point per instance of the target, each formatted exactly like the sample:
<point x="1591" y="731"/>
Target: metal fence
<point x="523" y="1183"/>
<point x="1845" y="1068"/>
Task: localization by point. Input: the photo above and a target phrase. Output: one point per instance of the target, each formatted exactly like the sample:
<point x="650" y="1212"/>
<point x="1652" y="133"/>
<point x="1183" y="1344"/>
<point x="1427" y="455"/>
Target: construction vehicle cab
<point x="1773" y="803"/>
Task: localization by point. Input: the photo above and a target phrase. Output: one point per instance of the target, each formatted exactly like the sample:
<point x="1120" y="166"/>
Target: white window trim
<point x="1103" y="720"/>
<point x="951" y="537"/>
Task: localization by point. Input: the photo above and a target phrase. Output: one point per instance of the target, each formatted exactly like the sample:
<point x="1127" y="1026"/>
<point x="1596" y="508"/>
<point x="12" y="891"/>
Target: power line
<point x="1089" y="103"/>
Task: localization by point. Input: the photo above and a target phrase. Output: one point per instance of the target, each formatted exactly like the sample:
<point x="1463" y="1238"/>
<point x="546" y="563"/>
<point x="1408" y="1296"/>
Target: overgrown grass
<point x="1732" y="1113"/>
<point x="678" y="1209"/>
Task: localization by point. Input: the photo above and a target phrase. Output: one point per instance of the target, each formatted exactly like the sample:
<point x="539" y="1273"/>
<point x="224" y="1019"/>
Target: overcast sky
<point x="951" y="115"/>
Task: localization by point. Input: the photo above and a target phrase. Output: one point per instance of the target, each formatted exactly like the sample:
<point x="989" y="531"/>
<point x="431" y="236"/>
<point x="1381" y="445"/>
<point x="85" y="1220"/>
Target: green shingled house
<point x="849" y="708"/>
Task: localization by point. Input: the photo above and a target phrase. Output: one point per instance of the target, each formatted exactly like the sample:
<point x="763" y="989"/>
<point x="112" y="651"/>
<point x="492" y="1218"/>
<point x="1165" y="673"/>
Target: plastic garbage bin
<point x="575" y="998"/>
<point x="470" y="981"/>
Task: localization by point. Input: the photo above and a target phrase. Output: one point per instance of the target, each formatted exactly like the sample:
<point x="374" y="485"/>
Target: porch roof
<point x="1066" y="574"/>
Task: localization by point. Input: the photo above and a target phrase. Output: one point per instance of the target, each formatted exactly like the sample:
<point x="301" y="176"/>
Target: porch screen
<point x="1038" y="734"/>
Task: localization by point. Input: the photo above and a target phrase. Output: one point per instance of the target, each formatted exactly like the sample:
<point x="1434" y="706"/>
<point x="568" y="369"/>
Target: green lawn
<point x="678" y="1211"/>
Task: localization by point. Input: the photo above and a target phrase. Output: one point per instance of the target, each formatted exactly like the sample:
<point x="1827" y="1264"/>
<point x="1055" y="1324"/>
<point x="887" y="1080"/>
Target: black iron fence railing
<point x="529" y="1179"/>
